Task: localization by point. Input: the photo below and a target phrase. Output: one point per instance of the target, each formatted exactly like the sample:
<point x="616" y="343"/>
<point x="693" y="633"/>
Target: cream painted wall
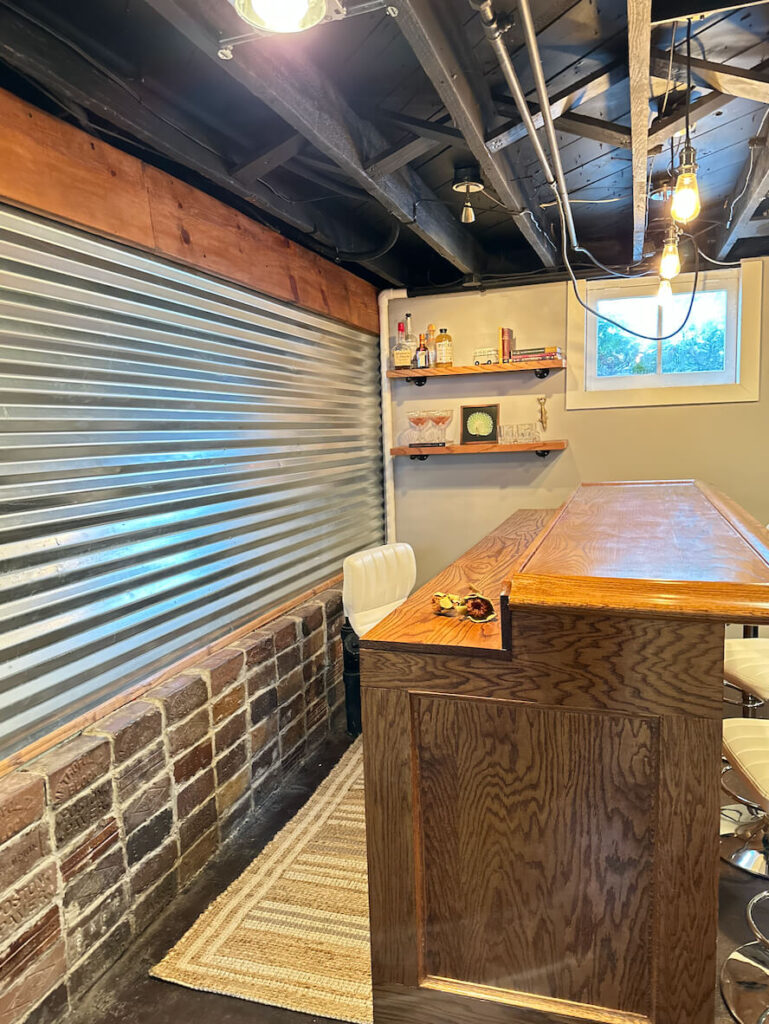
<point x="447" y="503"/>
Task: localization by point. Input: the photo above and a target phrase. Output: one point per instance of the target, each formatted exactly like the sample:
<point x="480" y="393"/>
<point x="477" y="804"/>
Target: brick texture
<point x="99" y="834"/>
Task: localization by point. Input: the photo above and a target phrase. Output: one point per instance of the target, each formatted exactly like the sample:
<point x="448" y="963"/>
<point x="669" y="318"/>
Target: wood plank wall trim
<point x="59" y="171"/>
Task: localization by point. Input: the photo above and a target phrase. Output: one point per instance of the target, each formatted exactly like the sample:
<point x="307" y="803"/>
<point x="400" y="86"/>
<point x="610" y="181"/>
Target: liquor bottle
<point x="444" y="349"/>
<point x="430" y="342"/>
<point x="401" y="353"/>
<point x="411" y="340"/>
<point x="423" y="354"/>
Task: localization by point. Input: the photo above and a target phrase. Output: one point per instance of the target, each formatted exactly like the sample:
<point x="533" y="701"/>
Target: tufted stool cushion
<point x="746" y="665"/>
<point x="376" y="581"/>
<point x="746" y="748"/>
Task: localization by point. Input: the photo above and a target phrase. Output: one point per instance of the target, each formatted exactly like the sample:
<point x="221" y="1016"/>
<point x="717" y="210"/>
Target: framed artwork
<point x="480" y="424"/>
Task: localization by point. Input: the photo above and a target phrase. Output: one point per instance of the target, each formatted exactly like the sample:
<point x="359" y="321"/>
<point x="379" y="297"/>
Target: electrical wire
<point x="747" y="176"/>
<point x="615" y="323"/>
<point x="718" y="263"/>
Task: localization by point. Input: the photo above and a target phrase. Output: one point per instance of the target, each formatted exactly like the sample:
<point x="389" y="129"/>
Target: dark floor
<point x="127" y="994"/>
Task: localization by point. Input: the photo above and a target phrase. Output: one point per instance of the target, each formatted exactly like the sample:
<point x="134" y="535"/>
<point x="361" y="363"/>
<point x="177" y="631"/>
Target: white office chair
<point x="376" y="581"/>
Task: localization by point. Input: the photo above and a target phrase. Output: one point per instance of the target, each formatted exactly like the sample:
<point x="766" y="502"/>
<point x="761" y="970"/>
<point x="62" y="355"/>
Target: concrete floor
<point x="127" y="994"/>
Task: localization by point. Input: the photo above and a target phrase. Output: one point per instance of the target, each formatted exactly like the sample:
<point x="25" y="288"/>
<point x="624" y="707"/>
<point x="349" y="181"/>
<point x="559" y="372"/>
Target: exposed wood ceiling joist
<point x="134" y="111"/>
<point x="664" y="128"/>
<point x="747" y="197"/>
<point x="639" y="44"/>
<point x="311" y="104"/>
<point x="395" y="157"/>
<point x="568" y="99"/>
<point x="451" y="66"/>
<point x="270" y="158"/>
<point x="746" y="83"/>
<point x="429" y="136"/>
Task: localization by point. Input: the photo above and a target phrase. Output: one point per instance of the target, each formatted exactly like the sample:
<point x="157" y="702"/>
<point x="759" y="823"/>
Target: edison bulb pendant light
<point x="670" y="261"/>
<point x="665" y="293"/>
<point x="686" y="203"/>
<point x="281" y="15"/>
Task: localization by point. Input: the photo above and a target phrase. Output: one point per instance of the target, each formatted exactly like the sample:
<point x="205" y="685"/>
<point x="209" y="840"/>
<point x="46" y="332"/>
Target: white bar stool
<point x="746" y="668"/>
<point x="746" y="751"/>
<point x="376" y="582"/>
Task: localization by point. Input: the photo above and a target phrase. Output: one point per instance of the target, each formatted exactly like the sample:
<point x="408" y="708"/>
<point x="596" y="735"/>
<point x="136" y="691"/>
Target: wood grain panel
<point x="537" y="832"/>
<point x="485" y="566"/>
<point x="572" y="660"/>
<point x="687" y="858"/>
<point x="51" y="168"/>
<point x="438" y="1001"/>
<point x="451" y="371"/>
<point x="390" y="841"/>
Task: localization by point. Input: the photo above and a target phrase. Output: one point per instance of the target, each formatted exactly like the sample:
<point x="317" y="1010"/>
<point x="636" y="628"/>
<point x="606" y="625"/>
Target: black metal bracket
<point x="541" y="374"/>
<point x="542" y="453"/>
<point x="420" y="458"/>
<point x="418" y="382"/>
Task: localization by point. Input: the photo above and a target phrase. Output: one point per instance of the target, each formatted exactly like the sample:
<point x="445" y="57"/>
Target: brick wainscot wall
<point x="98" y="834"/>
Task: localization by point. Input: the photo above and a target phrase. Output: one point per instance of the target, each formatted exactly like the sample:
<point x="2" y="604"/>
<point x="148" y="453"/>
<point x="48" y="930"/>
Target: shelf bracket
<point x="543" y="454"/>
<point x="540" y="375"/>
<point x="420" y="458"/>
<point x="418" y="382"/>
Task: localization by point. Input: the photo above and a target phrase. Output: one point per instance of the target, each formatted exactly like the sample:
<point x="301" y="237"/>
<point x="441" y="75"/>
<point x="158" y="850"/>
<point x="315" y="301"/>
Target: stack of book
<point x="530" y="355"/>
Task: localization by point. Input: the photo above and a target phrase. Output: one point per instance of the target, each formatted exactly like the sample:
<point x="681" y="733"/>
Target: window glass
<point x="619" y="353"/>
<point x="701" y="345"/>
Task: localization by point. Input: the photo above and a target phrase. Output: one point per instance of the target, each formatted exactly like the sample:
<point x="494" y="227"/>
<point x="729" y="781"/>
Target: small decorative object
<point x="527" y="433"/>
<point x="542" y="399"/>
<point x="506" y="344"/>
<point x="479" y="608"/>
<point x="485" y="356"/>
<point x="507" y="434"/>
<point x="480" y="423"/>
<point x="448" y="604"/>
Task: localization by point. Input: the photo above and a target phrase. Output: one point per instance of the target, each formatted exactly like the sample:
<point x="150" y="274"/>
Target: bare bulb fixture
<point x="468" y="179"/>
<point x="665" y="293"/>
<point x="670" y="261"/>
<point x="686" y="203"/>
<point x="468" y="213"/>
<point x="281" y="15"/>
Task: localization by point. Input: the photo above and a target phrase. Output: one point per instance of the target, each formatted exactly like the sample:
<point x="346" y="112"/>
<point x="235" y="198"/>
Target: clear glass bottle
<point x="430" y="341"/>
<point x="411" y="340"/>
<point x="423" y="354"/>
<point x="401" y="353"/>
<point x="444" y="349"/>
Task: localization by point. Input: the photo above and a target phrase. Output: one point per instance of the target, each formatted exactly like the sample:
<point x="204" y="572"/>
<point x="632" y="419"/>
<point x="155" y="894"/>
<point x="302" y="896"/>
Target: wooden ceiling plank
<point x="395" y="157"/>
<point x="293" y="88"/>
<point x="594" y="128"/>
<point x="747" y="83"/>
<point x="639" y="44"/>
<point x="664" y="128"/>
<point x="269" y="159"/>
<point x="437" y="130"/>
<point x="747" y="196"/>
<point x="457" y="77"/>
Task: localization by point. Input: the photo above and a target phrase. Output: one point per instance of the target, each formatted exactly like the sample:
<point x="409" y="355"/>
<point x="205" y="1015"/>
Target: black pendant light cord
<point x="688" y="82"/>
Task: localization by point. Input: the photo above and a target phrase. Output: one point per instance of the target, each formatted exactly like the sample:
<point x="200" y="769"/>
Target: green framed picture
<point x="480" y="424"/>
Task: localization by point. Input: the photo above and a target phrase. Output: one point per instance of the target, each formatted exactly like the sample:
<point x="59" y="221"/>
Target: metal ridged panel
<point x="178" y="456"/>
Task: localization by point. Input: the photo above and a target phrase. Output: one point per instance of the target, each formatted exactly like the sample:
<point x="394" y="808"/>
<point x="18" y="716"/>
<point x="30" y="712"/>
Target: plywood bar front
<point x="543" y="819"/>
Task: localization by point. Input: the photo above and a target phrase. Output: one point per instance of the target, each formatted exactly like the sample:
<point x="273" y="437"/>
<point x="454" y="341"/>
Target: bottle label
<point x="444" y="354"/>
<point x="401" y="359"/>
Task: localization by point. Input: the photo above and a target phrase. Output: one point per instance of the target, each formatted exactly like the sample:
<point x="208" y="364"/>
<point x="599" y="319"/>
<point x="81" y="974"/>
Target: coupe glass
<point x="440" y="419"/>
<point x="418" y="421"/>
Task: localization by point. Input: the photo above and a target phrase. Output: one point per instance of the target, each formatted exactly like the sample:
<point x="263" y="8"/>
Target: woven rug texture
<point x="293" y="930"/>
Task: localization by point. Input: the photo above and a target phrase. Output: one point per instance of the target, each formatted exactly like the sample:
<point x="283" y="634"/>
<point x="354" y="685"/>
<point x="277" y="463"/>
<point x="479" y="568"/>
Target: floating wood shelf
<point x="541" y="448"/>
<point x="540" y="367"/>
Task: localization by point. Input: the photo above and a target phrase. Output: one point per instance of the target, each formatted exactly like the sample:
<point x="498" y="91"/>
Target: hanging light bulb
<point x="686" y="203"/>
<point x="281" y="15"/>
<point x="468" y="213"/>
<point x="665" y="293"/>
<point x="670" y="261"/>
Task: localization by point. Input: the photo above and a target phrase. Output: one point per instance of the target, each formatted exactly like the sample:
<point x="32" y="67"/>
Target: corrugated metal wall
<point x="178" y="455"/>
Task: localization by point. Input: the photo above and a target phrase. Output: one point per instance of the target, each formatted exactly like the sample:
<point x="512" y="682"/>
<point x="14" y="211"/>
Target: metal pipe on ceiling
<point x="494" y="33"/>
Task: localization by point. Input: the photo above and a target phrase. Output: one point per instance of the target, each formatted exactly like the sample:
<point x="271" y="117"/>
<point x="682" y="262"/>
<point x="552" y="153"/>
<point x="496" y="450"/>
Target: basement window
<point x="714" y="358"/>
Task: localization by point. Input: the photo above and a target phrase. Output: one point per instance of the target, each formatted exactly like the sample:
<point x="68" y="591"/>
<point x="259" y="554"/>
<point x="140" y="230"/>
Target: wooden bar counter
<point x="542" y="791"/>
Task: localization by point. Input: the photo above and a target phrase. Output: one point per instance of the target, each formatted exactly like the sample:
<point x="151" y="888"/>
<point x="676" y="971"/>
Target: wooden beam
<point x="664" y="128"/>
<point x="441" y="47"/>
<point x="585" y="89"/>
<point x="437" y="130"/>
<point x="746" y="83"/>
<point x="679" y="10"/>
<point x="395" y="157"/>
<point x="639" y="43"/>
<point x="270" y="158"/>
<point x="616" y="135"/>
<point x="62" y="173"/>
<point x="286" y="81"/>
<point x="747" y="196"/>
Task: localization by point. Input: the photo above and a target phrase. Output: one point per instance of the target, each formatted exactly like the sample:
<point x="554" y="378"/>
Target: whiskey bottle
<point x="444" y="349"/>
<point x="401" y="353"/>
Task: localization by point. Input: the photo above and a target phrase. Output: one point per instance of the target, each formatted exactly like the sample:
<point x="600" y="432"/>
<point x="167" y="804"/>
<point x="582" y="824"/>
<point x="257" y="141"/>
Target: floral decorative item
<point x="480" y="424"/>
<point x="448" y="604"/>
<point x="479" y="608"/>
<point x="474" y="607"/>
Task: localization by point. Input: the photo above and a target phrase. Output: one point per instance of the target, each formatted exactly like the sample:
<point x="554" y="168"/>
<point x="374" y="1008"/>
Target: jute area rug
<point x="293" y="930"/>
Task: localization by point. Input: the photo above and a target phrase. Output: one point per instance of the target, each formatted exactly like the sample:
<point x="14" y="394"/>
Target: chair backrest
<point x="376" y="581"/>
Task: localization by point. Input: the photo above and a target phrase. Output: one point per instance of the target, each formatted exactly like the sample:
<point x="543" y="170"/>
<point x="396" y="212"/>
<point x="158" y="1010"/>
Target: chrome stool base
<point x="734" y="817"/>
<point x="748" y="846"/>
<point x="745" y="975"/>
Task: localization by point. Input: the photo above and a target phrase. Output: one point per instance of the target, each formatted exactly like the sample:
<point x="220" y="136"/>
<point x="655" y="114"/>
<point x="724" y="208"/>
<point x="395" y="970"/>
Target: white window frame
<point x="738" y="382"/>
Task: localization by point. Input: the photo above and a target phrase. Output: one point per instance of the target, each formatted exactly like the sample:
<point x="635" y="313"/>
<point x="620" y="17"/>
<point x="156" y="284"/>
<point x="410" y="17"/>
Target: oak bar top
<point x="675" y="548"/>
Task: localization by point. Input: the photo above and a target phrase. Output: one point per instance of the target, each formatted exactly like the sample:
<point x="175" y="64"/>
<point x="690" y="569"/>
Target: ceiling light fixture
<point x="468" y="180"/>
<point x="686" y="203"/>
<point x="282" y="15"/>
<point x="665" y="293"/>
<point x="670" y="261"/>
